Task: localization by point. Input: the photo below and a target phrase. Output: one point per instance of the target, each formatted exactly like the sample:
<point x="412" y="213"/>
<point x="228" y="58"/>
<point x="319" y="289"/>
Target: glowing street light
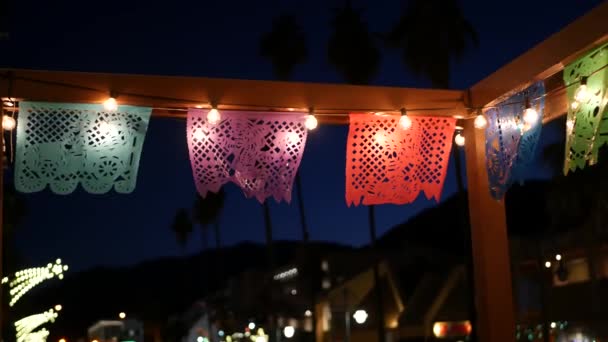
<point x="360" y="316"/>
<point x="289" y="331"/>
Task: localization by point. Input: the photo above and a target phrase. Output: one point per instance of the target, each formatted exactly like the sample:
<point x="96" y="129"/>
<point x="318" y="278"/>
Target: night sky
<point x="220" y="39"/>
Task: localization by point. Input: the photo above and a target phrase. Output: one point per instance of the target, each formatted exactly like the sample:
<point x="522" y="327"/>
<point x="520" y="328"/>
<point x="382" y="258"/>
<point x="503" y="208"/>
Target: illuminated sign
<point x="452" y="329"/>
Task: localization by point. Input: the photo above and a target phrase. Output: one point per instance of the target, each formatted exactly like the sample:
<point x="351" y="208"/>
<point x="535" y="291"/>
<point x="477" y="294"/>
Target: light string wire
<point x="324" y="112"/>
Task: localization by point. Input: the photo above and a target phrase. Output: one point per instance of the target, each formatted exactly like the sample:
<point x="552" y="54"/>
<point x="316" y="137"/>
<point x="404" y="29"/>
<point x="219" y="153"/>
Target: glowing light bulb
<point x="459" y="139"/>
<point x="198" y="134"/>
<point x="292" y="138"/>
<point x="360" y="316"/>
<point x="582" y="94"/>
<point x="58" y="307"/>
<point x="575" y="105"/>
<point x="547" y="264"/>
<point x="110" y="104"/>
<point x="307" y="313"/>
<point x="405" y="122"/>
<point x="480" y="122"/>
<point x="105" y="127"/>
<point x="251" y="325"/>
<point x="570" y="125"/>
<point x="311" y="122"/>
<point x="8" y="123"/>
<point x="289" y="331"/>
<point x="530" y="116"/>
<point x="214" y="116"/>
<point x="122" y="315"/>
<point x="558" y="257"/>
<point x="553" y="325"/>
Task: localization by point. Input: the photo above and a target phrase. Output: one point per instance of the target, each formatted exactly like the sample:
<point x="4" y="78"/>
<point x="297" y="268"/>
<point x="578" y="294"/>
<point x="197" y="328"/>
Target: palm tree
<point x="206" y="212"/>
<point x="352" y="51"/>
<point x="284" y="45"/>
<point x="182" y="227"/>
<point x="351" y="48"/>
<point x="429" y="34"/>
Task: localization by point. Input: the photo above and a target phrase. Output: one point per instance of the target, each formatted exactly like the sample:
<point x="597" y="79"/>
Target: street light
<point x="360" y="316"/>
<point x="289" y="331"/>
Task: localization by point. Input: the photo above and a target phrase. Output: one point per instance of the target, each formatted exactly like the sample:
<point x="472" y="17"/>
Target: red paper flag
<point x="389" y="164"/>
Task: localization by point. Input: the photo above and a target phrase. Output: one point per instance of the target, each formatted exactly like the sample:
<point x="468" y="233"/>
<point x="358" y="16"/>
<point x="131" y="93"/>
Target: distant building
<point x="128" y="330"/>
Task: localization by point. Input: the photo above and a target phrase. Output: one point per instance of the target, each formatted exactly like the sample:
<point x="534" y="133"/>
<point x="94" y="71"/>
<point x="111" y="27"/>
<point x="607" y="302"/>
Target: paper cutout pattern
<point x="62" y="145"/>
<point x="587" y="128"/>
<point x="260" y="152"/>
<point x="511" y="145"/>
<point x="388" y="164"/>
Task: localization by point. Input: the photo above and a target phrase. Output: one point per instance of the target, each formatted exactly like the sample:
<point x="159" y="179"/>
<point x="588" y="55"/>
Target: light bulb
<point x="360" y="316"/>
<point x="311" y="122"/>
<point x="110" y="104"/>
<point x="570" y="125"/>
<point x="289" y="331"/>
<point x="547" y="264"/>
<point x="582" y="94"/>
<point x="459" y="139"/>
<point x="58" y="307"/>
<point x="558" y="257"/>
<point x="198" y="134"/>
<point x="292" y="138"/>
<point x="575" y="105"/>
<point x="480" y="121"/>
<point x="214" y="117"/>
<point x="122" y="315"/>
<point x="530" y="116"/>
<point x="251" y="325"/>
<point x="8" y="123"/>
<point x="405" y="122"/>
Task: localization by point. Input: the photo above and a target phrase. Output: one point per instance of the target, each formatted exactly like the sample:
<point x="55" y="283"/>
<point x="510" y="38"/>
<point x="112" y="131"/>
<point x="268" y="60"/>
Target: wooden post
<point x="3" y="318"/>
<point x="490" y="244"/>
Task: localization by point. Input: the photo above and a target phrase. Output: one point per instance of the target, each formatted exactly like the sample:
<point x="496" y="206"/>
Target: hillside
<point x="152" y="290"/>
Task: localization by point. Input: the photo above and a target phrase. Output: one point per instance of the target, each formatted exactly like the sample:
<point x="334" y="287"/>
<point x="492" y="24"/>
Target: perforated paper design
<point x="260" y="152"/>
<point x="511" y="145"/>
<point x="388" y="164"/>
<point x="61" y="145"/>
<point x="589" y="121"/>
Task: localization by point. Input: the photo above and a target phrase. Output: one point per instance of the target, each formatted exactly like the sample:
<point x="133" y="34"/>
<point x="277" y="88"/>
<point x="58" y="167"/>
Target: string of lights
<point x="111" y="103"/>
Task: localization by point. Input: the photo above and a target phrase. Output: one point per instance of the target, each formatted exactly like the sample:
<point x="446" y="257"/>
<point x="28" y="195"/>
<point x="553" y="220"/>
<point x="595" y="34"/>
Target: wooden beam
<point x="490" y="244"/>
<point x="546" y="58"/>
<point x="176" y="92"/>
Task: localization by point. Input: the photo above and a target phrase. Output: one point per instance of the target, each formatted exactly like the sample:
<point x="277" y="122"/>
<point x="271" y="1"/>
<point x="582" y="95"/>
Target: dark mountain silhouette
<point x="156" y="289"/>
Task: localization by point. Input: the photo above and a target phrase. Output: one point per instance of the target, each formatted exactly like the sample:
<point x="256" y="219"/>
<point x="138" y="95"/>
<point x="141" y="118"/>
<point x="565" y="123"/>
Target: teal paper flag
<point x="63" y="144"/>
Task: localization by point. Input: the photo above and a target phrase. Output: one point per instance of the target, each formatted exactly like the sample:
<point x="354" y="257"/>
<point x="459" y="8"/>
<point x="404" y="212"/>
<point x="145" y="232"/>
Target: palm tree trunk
<point x="204" y="237"/>
<point x="304" y="226"/>
<point x="377" y="288"/>
<point x="273" y="331"/>
<point x="309" y="258"/>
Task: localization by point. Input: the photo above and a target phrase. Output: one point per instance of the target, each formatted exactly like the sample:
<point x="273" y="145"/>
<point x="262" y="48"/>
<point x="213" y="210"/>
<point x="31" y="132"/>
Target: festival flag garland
<point x="587" y="123"/>
<point x="386" y="163"/>
<point x="64" y="144"/>
<point x="511" y="142"/>
<point x="260" y="152"/>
